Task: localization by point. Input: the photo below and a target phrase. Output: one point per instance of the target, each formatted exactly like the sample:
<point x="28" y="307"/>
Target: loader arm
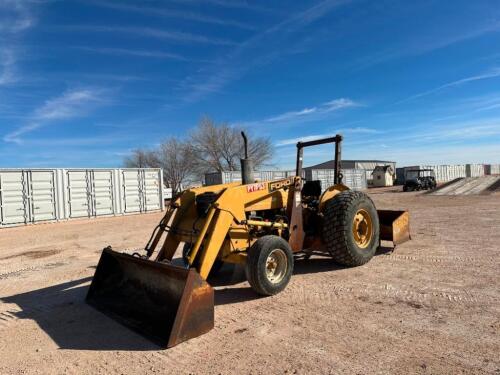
<point x="226" y="222"/>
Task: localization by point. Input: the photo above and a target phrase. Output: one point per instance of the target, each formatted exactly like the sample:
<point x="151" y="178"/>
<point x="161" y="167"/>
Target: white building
<point x="383" y="175"/>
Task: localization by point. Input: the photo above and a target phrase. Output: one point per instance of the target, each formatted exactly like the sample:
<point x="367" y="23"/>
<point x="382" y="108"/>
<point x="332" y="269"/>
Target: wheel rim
<point x="362" y="228"/>
<point x="276" y="266"/>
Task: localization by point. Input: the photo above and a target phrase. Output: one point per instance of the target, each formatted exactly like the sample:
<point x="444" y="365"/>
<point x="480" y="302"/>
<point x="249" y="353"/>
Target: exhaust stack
<point x="246" y="164"/>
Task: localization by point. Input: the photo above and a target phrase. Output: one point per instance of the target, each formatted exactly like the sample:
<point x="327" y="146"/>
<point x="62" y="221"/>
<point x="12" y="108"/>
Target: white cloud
<point x="493" y="73"/>
<point x="15" y="16"/>
<point x="174" y="13"/>
<point x="447" y="145"/>
<point x="489" y="107"/>
<point x="359" y="130"/>
<point x="149" y="32"/>
<point x="292" y="115"/>
<point x="336" y="104"/>
<point x="421" y="44"/>
<point x="331" y="106"/>
<point x="236" y="4"/>
<point x="7" y="67"/>
<point x="260" y="49"/>
<point x="422" y="135"/>
<point x="132" y="52"/>
<point x="71" y="104"/>
<point x="446" y="154"/>
<point x="293" y="141"/>
<point x="463" y="133"/>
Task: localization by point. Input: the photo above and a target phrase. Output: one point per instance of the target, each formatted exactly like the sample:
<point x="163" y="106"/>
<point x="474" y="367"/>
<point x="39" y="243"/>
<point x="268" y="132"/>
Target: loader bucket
<point x="394" y="226"/>
<point x="166" y="303"/>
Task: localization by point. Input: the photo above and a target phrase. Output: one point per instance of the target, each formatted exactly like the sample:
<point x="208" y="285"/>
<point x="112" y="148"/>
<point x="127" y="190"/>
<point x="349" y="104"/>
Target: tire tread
<point x="336" y="227"/>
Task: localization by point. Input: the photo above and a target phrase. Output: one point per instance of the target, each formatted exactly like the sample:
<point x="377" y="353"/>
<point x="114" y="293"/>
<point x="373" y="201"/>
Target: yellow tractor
<point x="261" y="225"/>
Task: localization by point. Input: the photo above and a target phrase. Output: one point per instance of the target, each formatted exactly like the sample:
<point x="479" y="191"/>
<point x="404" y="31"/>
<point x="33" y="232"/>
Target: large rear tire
<point x="351" y="228"/>
<point x="269" y="265"/>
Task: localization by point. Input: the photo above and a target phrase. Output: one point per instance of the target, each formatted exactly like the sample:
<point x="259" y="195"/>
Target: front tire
<point x="269" y="265"/>
<point x="351" y="228"/>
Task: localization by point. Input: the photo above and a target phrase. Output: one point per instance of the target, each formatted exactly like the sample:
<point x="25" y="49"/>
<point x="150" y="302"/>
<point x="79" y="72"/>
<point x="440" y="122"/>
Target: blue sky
<point x="84" y="82"/>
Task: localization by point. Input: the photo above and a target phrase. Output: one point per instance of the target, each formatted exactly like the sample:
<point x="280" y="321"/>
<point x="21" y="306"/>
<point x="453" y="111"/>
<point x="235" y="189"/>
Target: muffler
<point x="166" y="303"/>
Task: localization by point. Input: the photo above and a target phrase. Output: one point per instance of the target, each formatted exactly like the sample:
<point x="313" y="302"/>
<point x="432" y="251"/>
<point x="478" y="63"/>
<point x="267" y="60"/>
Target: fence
<point x="39" y="195"/>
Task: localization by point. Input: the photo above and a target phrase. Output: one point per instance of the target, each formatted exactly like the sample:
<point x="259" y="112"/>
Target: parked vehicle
<point x="419" y="179"/>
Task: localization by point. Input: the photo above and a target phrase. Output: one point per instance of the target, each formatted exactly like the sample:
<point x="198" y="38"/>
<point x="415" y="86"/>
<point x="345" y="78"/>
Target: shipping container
<point x="27" y="196"/>
<point x="354" y="178"/>
<point x="14" y="208"/>
<point x="495" y="169"/>
<point x="131" y="189"/>
<point x="40" y="195"/>
<point x="400" y="176"/>
<point x="474" y="170"/>
<point x="152" y="189"/>
<point x="90" y="192"/>
<point x="217" y="178"/>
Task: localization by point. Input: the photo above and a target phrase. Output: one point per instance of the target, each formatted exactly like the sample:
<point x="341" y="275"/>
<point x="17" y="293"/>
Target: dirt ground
<point x="430" y="307"/>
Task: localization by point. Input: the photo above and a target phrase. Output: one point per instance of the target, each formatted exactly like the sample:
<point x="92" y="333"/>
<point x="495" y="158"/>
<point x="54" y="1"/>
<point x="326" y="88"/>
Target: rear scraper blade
<point x="394" y="226"/>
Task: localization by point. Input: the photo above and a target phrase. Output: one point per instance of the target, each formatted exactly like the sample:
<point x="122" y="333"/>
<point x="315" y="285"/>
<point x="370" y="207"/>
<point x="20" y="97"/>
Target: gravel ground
<point x="430" y="307"/>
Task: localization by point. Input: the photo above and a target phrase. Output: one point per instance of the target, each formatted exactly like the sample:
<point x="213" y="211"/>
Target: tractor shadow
<point x="61" y="312"/>
<point x="226" y="282"/>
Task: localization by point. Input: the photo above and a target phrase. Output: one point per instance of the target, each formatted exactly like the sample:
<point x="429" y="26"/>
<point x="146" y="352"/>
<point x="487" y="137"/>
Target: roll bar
<point x="338" y="150"/>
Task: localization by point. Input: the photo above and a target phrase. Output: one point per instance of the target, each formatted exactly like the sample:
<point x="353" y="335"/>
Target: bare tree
<point x="141" y="159"/>
<point x="209" y="148"/>
<point x="219" y="147"/>
<point x="177" y="160"/>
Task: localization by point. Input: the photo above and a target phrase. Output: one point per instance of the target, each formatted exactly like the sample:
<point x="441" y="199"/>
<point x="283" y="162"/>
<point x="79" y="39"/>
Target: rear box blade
<point x="394" y="226"/>
<point x="166" y="303"/>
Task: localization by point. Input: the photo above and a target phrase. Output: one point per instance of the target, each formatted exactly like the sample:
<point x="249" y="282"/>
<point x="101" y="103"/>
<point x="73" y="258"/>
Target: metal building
<point x="367" y="165"/>
<point x="39" y="195"/>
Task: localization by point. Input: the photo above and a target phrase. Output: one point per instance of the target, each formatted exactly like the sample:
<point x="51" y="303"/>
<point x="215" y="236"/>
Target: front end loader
<point x="261" y="225"/>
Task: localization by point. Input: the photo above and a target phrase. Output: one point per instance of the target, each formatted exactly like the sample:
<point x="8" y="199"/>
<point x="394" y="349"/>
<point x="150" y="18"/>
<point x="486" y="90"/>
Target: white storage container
<point x="14" y="208"/>
<point x="27" y="196"/>
<point x="474" y="170"/>
<point x="495" y="169"/>
<point x="38" y="195"/>
<point x="226" y="177"/>
<point x="354" y="178"/>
